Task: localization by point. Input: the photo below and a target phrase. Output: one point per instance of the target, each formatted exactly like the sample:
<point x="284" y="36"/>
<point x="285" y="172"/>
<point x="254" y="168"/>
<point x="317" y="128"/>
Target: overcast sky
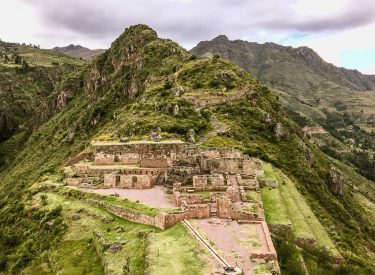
<point x="341" y="31"/>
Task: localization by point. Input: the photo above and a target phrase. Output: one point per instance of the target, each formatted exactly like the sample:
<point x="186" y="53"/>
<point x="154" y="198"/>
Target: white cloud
<point x="328" y="26"/>
<point x="18" y="22"/>
<point x="332" y="46"/>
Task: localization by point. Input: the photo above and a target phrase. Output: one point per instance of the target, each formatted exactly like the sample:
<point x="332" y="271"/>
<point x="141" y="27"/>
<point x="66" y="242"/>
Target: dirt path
<point x="236" y="242"/>
<point x="154" y="197"/>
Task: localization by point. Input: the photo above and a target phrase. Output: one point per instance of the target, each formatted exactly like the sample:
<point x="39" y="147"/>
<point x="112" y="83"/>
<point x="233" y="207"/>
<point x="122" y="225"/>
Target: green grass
<point x="175" y="251"/>
<point x="274" y="208"/>
<point x="218" y="141"/>
<point x="75" y="254"/>
<point x="304" y="222"/>
<point x="269" y="173"/>
<point x="151" y="211"/>
<point x="253" y="196"/>
<point x="125" y="203"/>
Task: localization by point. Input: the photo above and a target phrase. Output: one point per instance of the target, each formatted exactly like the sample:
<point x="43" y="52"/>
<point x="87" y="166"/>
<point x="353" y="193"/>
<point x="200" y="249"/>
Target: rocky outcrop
<point x="336" y="181"/>
<point x="279" y="131"/>
<point x="62" y="99"/>
<point x="306" y="152"/>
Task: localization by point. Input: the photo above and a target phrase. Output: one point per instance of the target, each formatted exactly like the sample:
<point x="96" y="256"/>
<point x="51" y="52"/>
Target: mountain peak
<point x="309" y="54"/>
<point x="221" y="38"/>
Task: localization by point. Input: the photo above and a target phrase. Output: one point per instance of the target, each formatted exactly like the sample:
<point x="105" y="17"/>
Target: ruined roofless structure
<point x="142" y="164"/>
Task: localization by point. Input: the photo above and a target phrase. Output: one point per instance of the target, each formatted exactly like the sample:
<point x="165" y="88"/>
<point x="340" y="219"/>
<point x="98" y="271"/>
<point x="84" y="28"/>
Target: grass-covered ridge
<point x="131" y="90"/>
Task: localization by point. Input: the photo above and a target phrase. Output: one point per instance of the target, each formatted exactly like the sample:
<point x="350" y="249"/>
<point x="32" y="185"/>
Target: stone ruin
<point x="143" y="164"/>
<point x="210" y="181"/>
<point x="203" y="183"/>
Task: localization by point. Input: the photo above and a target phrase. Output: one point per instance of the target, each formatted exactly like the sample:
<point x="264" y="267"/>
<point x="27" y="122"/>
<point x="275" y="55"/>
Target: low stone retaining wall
<point x="273" y="183"/>
<point x="128" y="214"/>
<point x="306" y="242"/>
<point x="281" y="227"/>
<point x="162" y="220"/>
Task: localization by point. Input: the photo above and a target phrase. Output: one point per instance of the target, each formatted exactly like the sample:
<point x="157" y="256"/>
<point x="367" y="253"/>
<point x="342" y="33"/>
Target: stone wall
<point x="225" y="211"/>
<point x="81" y="169"/>
<point x="128" y="214"/>
<point x="73" y="181"/>
<point x="111" y="180"/>
<point x="155" y="163"/>
<point x="129" y="158"/>
<point x="104" y="159"/>
<point x="162" y="220"/>
<point x="273" y="183"/>
<point x="199" y="181"/>
<point x="203" y="181"/>
<point x="145" y="150"/>
<point x="166" y="220"/>
<point x="253" y="167"/>
<point x="135" y="181"/>
<point x="215" y="180"/>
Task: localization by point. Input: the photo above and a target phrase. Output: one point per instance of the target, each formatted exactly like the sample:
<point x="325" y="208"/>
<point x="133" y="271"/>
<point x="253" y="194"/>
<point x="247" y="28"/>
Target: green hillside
<point x="313" y="92"/>
<point x="304" y="81"/>
<point x="28" y="75"/>
<point x="131" y="90"/>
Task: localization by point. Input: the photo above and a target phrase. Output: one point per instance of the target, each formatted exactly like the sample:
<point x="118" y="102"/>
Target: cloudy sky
<point x="341" y="31"/>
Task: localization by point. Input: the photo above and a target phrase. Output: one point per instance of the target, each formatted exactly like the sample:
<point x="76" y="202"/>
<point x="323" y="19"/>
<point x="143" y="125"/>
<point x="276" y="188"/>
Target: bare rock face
<point x="306" y="152"/>
<point x="62" y="98"/>
<point x="280" y="131"/>
<point x="336" y="181"/>
<point x="191" y="136"/>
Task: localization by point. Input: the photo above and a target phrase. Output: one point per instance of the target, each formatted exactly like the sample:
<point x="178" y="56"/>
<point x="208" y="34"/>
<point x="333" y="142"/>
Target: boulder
<point x="336" y="181"/>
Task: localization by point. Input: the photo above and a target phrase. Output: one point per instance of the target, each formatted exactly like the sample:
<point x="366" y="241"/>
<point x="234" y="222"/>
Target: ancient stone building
<point x="142" y="164"/>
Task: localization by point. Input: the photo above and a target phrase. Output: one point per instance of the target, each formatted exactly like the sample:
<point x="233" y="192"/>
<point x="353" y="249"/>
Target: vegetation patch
<point x="175" y="251"/>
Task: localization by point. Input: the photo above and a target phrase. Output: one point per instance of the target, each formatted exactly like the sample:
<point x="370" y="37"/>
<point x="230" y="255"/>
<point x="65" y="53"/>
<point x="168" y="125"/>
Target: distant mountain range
<point x="306" y="82"/>
<point x="78" y="51"/>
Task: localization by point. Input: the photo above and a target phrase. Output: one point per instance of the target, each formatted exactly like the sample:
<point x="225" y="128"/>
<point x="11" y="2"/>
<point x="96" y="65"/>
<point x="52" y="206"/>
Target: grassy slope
<point x="119" y="92"/>
<point x="175" y="250"/>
